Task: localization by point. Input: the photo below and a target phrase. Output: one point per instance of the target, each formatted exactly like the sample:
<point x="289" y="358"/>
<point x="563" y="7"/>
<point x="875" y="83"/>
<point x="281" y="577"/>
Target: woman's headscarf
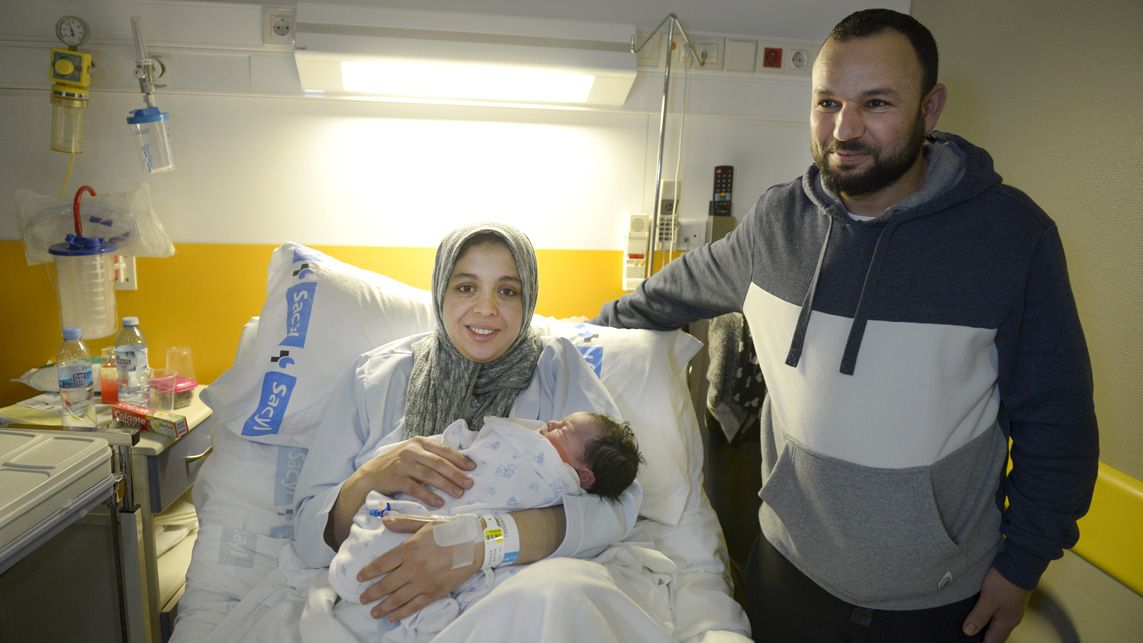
<point x="446" y="386"/>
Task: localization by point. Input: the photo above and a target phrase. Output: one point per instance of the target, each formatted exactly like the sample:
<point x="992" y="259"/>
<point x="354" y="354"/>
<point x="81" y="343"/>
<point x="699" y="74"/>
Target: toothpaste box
<point x="161" y="422"/>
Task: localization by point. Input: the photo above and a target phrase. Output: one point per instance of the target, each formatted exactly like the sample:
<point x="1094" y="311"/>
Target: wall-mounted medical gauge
<point x="72" y="31"/>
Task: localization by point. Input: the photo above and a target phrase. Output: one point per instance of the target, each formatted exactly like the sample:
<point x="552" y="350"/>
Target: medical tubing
<point x="67" y="174"/>
<point x="75" y="207"/>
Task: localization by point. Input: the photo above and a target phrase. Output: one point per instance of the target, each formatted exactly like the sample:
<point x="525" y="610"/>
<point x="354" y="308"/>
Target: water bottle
<point x="77" y="386"/>
<point x="131" y="362"/>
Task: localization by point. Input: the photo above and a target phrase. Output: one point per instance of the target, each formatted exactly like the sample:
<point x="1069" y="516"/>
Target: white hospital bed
<point x="321" y="313"/>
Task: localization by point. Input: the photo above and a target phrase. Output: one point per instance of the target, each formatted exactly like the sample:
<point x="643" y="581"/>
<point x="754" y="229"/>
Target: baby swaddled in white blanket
<point x="520" y="464"/>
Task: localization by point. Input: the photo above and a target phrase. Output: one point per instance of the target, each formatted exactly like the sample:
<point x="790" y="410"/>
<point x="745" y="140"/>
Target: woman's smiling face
<point x="482" y="308"/>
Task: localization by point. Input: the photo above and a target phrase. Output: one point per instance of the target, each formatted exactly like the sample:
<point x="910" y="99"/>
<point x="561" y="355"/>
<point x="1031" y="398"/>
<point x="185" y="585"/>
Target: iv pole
<point x="672" y="22"/>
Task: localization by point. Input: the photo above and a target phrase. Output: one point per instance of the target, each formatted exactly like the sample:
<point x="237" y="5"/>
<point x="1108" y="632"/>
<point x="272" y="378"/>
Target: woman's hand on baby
<point x="416" y="572"/>
<point x="414" y="467"/>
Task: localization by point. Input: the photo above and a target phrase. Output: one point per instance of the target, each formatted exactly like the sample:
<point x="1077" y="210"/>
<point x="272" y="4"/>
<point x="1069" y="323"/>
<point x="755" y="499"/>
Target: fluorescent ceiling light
<point x="470" y="81"/>
<point x="433" y="56"/>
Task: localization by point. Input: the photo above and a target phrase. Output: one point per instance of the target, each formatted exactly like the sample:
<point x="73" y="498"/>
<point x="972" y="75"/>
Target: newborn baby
<point x="520" y="464"/>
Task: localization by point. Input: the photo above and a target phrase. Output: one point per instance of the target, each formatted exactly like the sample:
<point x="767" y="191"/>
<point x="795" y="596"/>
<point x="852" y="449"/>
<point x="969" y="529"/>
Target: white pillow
<point x="645" y="372"/>
<point x="321" y="313"/>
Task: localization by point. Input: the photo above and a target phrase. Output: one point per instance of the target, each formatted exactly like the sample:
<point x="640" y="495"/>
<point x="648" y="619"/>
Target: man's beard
<point x="888" y="165"/>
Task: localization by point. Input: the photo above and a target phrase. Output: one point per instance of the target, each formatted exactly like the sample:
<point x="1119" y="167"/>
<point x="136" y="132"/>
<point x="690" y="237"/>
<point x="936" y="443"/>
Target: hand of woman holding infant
<point x="416" y="467"/>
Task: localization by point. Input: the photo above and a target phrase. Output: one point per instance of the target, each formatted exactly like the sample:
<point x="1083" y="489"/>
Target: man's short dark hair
<point x="868" y="22"/>
<point x="613" y="457"/>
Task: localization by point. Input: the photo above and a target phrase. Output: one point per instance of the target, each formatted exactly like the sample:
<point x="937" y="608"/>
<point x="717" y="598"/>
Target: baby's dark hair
<point x="613" y="457"/>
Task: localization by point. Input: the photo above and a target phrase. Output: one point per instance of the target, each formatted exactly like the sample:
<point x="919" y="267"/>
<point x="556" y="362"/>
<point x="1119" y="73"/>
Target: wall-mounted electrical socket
<point x="710" y="52"/>
<point x="785" y="57"/>
<point x="692" y="234"/>
<point x="800" y="60"/>
<point x="125" y="277"/>
<point x="278" y="25"/>
<point x="685" y="56"/>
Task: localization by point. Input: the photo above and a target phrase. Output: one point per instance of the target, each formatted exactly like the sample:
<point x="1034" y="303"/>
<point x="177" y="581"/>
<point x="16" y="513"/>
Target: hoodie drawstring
<point x="807" y="305"/>
<point x="860" y="316"/>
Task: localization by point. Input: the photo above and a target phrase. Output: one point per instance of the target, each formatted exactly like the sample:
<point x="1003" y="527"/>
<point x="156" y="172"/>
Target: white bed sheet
<point x="244" y="582"/>
<point x="239" y="588"/>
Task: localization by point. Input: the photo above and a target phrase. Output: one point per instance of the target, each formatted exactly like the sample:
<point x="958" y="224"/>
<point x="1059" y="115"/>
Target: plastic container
<point x="184" y="391"/>
<point x="68" y="108"/>
<point x="108" y="376"/>
<point x="131" y="362"/>
<point x="85" y="283"/>
<point x="152" y="133"/>
<point x="161" y="396"/>
<point x="77" y="385"/>
<point x="180" y="360"/>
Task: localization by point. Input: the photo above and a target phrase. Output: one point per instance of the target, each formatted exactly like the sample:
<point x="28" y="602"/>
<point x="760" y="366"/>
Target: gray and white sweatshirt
<point x="900" y="356"/>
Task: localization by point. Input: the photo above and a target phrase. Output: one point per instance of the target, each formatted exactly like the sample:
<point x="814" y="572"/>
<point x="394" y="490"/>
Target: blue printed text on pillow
<point x="299" y="305"/>
<point x="594" y="357"/>
<point x="236" y="548"/>
<point x="272" y="403"/>
<point x="289" y="467"/>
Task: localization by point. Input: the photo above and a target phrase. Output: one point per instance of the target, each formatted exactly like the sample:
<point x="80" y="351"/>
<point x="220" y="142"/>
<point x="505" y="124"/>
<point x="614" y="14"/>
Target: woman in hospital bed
<point x="520" y="464"/>
<point x="482" y="360"/>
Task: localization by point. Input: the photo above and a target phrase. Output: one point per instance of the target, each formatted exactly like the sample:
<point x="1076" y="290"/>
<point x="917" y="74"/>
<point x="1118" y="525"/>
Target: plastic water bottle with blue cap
<point x="131" y="362"/>
<point x="77" y="385"/>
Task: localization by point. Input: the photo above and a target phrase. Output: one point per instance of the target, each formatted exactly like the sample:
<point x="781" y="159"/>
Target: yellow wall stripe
<point x="203" y="295"/>
<point x="1111" y="534"/>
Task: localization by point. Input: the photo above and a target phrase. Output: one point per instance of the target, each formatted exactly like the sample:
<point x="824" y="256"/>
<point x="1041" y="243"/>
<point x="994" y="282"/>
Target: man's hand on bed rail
<point x="417" y="572"/>
<point x="417" y="467"/>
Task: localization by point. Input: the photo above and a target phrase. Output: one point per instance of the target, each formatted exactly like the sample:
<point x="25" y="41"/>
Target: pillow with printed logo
<point x="645" y="372"/>
<point x="319" y="314"/>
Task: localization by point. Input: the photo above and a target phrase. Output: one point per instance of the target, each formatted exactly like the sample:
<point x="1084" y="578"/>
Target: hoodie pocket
<point x="866" y="534"/>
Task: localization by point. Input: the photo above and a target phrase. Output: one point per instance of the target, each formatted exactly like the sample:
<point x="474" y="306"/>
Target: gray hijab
<point x="446" y="386"/>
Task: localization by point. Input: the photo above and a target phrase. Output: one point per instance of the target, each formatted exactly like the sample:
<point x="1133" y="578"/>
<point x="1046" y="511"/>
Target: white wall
<point x="259" y="163"/>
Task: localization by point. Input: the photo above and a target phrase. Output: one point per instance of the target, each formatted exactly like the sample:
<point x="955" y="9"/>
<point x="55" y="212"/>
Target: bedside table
<point x="157" y="475"/>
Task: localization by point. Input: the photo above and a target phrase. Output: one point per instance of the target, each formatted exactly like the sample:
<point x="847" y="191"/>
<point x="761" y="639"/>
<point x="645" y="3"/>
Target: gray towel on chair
<point x="735" y="390"/>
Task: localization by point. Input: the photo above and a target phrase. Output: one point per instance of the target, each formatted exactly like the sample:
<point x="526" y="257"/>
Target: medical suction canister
<point x="84" y="276"/>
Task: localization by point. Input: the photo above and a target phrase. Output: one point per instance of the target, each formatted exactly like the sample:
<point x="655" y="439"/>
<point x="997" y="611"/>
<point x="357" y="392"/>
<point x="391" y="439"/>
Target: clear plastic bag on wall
<point x="123" y="217"/>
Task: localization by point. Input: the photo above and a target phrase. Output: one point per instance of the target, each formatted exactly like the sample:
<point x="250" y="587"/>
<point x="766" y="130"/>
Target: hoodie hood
<point x="957" y="171"/>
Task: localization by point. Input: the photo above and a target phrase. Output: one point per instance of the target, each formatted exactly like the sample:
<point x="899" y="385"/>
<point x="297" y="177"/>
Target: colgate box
<point x="169" y="424"/>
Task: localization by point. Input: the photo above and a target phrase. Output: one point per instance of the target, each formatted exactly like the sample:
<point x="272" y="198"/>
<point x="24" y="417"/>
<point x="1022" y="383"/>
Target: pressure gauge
<point x="72" y="31"/>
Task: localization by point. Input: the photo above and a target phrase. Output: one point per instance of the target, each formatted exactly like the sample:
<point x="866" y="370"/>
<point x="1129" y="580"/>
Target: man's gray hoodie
<point x="901" y="355"/>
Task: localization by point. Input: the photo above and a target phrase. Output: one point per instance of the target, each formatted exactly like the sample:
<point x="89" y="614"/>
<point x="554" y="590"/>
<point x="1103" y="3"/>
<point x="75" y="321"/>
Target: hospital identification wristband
<point x="501" y="541"/>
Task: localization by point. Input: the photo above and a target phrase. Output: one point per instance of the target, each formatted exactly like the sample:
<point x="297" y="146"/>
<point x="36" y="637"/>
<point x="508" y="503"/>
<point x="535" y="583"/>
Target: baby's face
<point x="571" y="436"/>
